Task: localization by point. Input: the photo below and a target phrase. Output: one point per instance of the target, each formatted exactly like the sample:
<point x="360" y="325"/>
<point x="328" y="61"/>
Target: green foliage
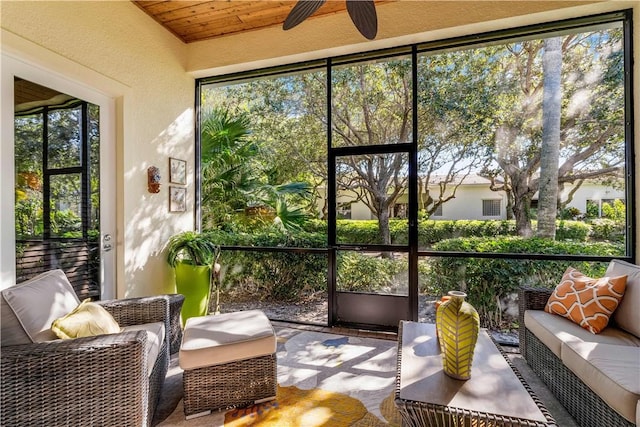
<point x="617" y="212"/>
<point x="362" y="231"/>
<point x="593" y="211"/>
<point x="236" y="181"/>
<point x="487" y="280"/>
<point x="192" y="247"/>
<point x="607" y="230"/>
<point x="360" y="272"/>
<point x="228" y="165"/>
<point x="287" y="276"/>
<point x="314" y="225"/>
<point x="572" y="230"/>
<point x="570" y="213"/>
<point x="273" y="275"/>
<point x="434" y="231"/>
<point x="281" y="276"/>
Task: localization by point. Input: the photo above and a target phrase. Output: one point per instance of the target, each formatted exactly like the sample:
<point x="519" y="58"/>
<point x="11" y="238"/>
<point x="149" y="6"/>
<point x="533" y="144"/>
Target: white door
<point x="16" y="69"/>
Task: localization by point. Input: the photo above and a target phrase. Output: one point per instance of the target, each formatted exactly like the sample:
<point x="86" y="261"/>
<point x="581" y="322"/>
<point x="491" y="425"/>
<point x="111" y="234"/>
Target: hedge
<point x="431" y="232"/>
<point x="487" y="281"/>
<point x="287" y="276"/>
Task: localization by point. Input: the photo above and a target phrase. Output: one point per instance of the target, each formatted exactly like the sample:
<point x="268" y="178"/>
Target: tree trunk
<point x="521" y="207"/>
<point x="383" y="225"/>
<point x="550" y="150"/>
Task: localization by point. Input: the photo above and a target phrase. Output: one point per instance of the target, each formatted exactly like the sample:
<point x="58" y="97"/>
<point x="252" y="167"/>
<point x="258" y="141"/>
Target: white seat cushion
<point x="155" y="338"/>
<point x="223" y="338"/>
<point x="34" y="305"/>
<point x="611" y="371"/>
<point x="553" y="330"/>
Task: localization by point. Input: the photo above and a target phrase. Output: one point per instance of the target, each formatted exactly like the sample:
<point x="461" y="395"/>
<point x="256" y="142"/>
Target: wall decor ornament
<point x="153" y="179"/>
<point x="177" y="171"/>
<point x="457" y="326"/>
<point x="177" y="199"/>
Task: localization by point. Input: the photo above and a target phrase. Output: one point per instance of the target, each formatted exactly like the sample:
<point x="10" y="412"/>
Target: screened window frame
<point x="624" y="17"/>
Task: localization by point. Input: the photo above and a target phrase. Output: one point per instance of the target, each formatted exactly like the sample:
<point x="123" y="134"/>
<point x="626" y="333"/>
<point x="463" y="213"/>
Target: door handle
<point x="106" y="243"/>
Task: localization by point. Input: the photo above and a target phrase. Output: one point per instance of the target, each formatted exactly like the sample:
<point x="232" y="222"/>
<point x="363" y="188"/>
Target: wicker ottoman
<point x="228" y="360"/>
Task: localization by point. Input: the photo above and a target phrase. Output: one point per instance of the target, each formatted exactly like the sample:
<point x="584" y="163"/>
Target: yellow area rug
<point x="309" y="408"/>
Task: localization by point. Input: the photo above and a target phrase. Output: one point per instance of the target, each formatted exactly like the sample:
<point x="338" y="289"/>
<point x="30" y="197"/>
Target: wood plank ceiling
<point x="193" y="21"/>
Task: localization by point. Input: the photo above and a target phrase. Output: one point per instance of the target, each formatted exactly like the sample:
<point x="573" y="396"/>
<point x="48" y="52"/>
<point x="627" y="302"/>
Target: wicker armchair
<point x="95" y="381"/>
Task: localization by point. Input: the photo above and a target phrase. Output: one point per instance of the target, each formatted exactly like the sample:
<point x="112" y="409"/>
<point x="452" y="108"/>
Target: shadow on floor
<point x="173" y="389"/>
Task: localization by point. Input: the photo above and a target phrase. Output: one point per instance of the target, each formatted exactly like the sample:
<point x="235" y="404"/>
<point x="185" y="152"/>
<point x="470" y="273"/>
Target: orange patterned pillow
<point x="586" y="301"/>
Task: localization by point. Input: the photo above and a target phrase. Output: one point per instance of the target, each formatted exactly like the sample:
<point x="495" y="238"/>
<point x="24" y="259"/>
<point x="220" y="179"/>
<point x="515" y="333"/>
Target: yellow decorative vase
<point x="457" y="327"/>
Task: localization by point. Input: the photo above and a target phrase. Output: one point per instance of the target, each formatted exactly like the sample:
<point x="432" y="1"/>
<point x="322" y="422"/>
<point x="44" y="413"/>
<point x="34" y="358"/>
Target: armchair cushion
<point x="86" y="320"/>
<point x="155" y="338"/>
<point x="29" y="308"/>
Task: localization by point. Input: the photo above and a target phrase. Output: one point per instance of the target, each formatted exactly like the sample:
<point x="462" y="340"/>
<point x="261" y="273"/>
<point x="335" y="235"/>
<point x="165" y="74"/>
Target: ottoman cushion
<point x="223" y="338"/>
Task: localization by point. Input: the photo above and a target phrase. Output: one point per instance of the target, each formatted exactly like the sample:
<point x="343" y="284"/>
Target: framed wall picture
<point x="177" y="199"/>
<point x="177" y="171"/>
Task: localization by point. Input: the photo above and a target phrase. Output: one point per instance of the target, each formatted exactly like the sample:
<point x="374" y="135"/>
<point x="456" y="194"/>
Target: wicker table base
<point x="496" y="395"/>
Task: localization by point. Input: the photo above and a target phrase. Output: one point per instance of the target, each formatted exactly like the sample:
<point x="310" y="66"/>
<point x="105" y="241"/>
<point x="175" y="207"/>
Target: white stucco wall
<point x="593" y="192"/>
<point x="114" y="48"/>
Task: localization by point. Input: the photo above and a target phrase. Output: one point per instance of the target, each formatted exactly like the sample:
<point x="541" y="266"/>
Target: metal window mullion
<point x="332" y="259"/>
<point x="46" y="177"/>
<point x="630" y="201"/>
<point x="413" y="193"/>
<point x="360" y="150"/>
<point x="85" y="149"/>
<point x="197" y="215"/>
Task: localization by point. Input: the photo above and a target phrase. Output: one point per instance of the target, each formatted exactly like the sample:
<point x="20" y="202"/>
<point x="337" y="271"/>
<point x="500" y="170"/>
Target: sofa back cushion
<point x="627" y="315"/>
<point x="29" y="308"/>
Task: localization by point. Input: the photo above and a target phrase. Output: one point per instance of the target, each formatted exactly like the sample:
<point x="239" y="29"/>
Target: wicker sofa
<point x="104" y="380"/>
<point x="595" y="377"/>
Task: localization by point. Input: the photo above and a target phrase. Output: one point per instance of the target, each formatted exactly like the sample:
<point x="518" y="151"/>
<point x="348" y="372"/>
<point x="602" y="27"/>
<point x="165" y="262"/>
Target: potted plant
<point x="193" y="256"/>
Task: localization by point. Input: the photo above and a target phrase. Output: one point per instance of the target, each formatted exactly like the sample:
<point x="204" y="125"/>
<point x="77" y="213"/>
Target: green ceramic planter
<point x="194" y="282"/>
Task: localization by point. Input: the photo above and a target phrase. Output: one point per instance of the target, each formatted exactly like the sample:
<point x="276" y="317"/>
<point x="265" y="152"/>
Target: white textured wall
<point x="116" y="42"/>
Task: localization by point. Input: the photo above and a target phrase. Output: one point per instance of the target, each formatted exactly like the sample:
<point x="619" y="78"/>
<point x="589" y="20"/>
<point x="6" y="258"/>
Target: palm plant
<point x="229" y="172"/>
<point x="234" y="175"/>
<point x="282" y="199"/>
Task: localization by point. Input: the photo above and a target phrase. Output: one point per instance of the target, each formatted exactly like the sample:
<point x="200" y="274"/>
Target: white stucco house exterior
<point x="474" y="200"/>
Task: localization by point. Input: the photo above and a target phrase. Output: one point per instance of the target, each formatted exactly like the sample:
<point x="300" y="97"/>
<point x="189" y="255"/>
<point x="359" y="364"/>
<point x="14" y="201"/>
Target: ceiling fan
<point x="362" y="13"/>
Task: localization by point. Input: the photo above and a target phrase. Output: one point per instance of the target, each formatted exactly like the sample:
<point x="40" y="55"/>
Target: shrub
<point x="572" y="230"/>
<point x="360" y="272"/>
<point x="272" y="275"/>
<point x="607" y="229"/>
<point x="616" y="212"/>
<point x="488" y="280"/>
<point x="283" y="276"/>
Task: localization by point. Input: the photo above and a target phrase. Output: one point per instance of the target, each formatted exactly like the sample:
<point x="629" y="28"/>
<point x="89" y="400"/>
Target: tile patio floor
<point x="561" y="416"/>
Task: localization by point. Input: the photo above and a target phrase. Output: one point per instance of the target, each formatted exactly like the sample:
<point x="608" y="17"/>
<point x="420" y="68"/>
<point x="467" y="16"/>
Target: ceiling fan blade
<point x="364" y="17"/>
<point x="301" y="11"/>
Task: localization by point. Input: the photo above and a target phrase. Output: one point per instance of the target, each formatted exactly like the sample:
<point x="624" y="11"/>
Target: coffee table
<point x="496" y="394"/>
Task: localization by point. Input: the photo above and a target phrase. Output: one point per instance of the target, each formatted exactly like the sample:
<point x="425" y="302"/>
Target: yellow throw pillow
<point x="86" y="320"/>
<point x="586" y="301"/>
